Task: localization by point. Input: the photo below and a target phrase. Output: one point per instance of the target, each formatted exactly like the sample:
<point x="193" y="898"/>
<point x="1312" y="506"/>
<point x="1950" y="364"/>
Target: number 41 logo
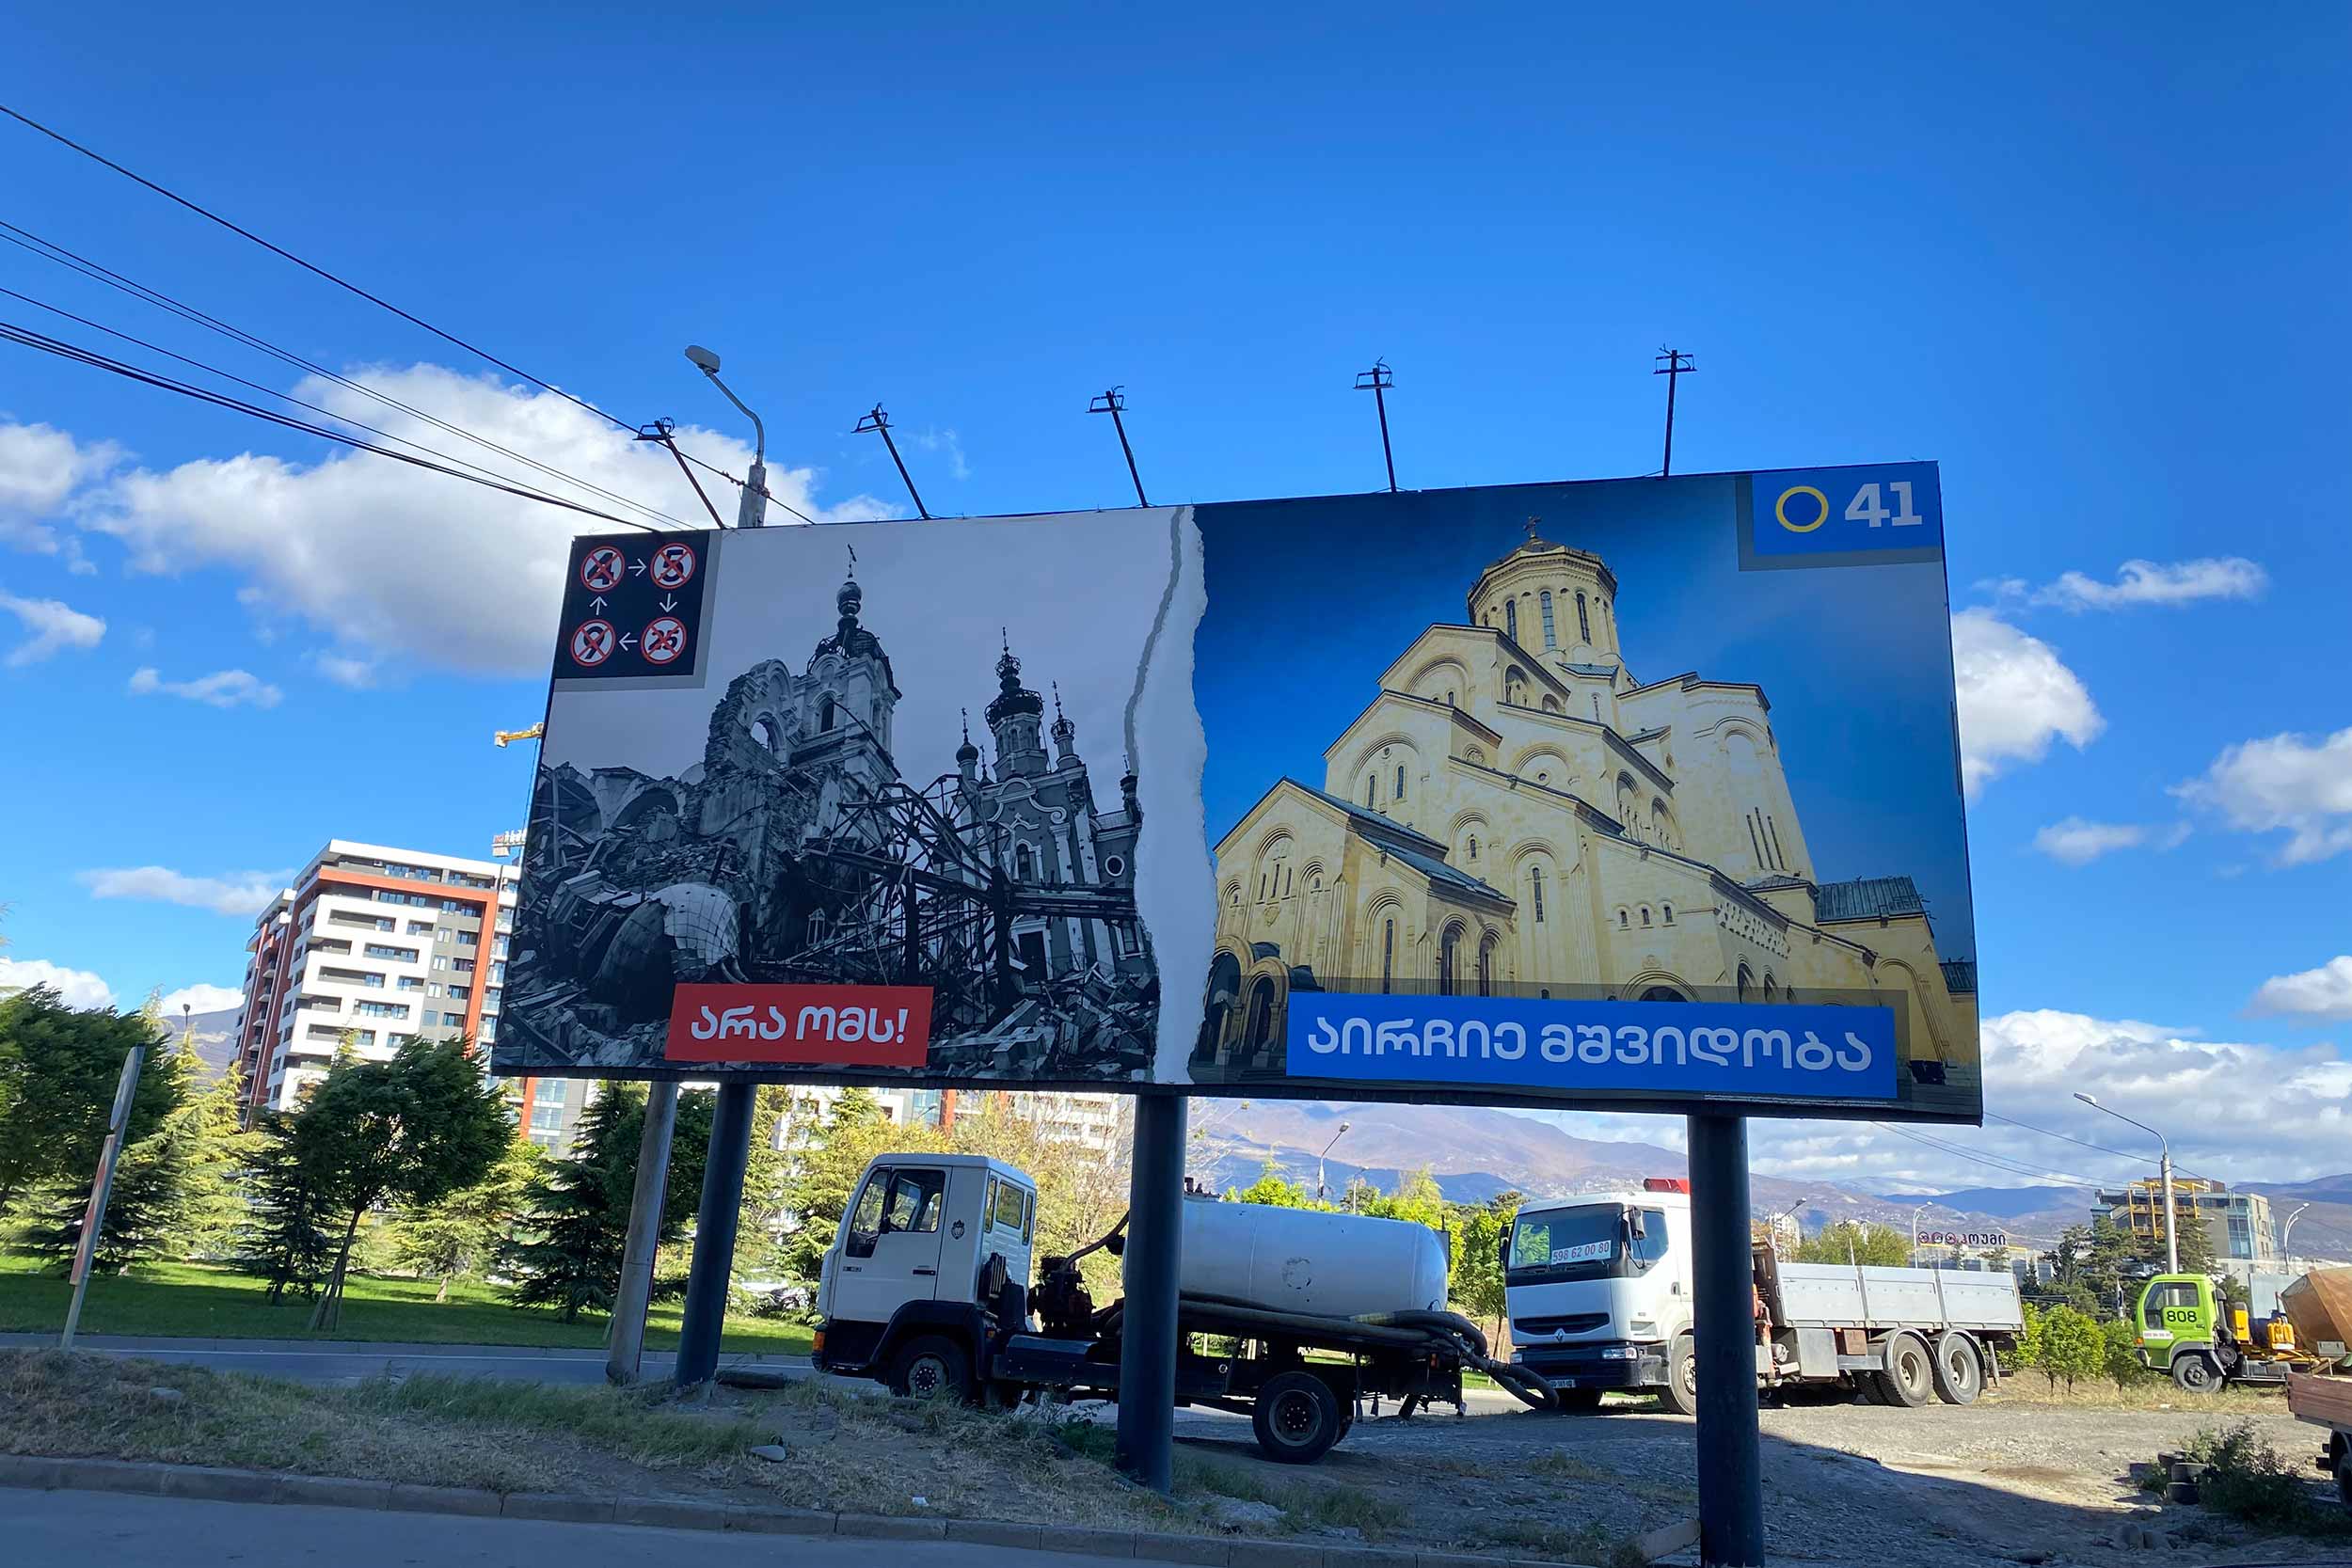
<point x="1866" y="506"/>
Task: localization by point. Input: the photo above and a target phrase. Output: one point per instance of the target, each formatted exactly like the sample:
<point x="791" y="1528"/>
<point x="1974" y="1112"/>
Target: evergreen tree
<point x="458" y="1237"/>
<point x="283" y="1239"/>
<point x="58" y="1069"/>
<point x="152" y="1188"/>
<point x="767" y="1185"/>
<point x="220" y="1148"/>
<point x="2072" y="1346"/>
<point x="565" y="1252"/>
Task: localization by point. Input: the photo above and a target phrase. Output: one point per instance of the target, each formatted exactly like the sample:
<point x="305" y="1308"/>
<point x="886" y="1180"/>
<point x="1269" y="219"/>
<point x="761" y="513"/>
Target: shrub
<point x="2250" y="1481"/>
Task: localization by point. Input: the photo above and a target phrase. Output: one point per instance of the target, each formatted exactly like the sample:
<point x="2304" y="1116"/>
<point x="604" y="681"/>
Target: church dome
<point x="1011" y="696"/>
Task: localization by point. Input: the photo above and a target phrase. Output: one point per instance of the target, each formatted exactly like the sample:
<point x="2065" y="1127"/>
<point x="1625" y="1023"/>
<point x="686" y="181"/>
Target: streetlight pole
<point x="2172" y="1226"/>
<point x="1319" y="1159"/>
<point x="753" y="512"/>
<point x="2287" y="1231"/>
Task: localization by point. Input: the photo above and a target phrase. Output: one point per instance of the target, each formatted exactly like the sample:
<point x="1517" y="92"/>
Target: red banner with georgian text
<point x="843" y="1026"/>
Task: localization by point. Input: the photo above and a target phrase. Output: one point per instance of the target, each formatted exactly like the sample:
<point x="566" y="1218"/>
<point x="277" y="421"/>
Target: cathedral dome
<point x="1012" y="698"/>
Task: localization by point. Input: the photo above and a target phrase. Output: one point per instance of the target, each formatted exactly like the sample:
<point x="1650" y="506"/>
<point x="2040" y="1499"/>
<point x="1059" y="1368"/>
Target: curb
<point x="40" y="1473"/>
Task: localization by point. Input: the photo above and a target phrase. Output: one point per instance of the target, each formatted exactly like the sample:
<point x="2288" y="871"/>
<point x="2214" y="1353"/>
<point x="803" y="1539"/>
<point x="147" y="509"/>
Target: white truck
<point x="1599" y="1292"/>
<point x="926" y="1290"/>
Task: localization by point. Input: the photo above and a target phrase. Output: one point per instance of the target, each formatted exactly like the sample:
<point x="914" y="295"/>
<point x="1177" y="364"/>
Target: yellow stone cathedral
<point x="1515" y="813"/>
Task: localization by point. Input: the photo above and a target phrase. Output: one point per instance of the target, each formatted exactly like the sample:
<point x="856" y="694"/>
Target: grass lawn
<point x="204" y="1301"/>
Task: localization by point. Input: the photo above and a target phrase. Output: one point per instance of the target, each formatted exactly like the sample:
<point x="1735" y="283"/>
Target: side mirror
<point x="1638" y="1227"/>
<point x="1115" y="1245"/>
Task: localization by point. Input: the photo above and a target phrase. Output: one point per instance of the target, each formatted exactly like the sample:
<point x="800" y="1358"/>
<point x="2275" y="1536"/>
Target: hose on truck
<point x="1449" y="1332"/>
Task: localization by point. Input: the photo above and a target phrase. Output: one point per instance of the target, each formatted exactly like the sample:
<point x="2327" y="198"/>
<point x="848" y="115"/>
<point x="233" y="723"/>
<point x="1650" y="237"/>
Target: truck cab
<point x="1598" y="1289"/>
<point x="2185" y="1329"/>
<point x="931" y="1263"/>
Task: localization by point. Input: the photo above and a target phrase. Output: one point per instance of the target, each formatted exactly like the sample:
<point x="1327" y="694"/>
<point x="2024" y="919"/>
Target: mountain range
<point x="1474" y="1154"/>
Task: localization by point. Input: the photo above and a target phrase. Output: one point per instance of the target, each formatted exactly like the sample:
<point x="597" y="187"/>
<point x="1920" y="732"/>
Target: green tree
<point x="2033" y="1343"/>
<point x="154" y="1189"/>
<point x="1276" y="1190"/>
<point x="1478" y="1232"/>
<point x="58" y="1069"/>
<point x="2119" y="1349"/>
<point x="2072" y="1346"/>
<point x="565" y="1251"/>
<point x="412" y="1129"/>
<point x="767" y="1185"/>
<point x="219" y="1150"/>
<point x="458" y="1237"/>
<point x="1417" y="1199"/>
<point x="1856" y="1241"/>
<point x="283" y="1238"/>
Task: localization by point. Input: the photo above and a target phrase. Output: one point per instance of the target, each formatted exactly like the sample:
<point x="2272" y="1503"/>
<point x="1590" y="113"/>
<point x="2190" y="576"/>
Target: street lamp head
<point x="704" y="359"/>
<point x="1342" y="1127"/>
<point x="2086" y="1099"/>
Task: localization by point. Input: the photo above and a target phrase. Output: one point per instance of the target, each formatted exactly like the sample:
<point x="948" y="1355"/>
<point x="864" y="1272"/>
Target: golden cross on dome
<point x="1531" y="528"/>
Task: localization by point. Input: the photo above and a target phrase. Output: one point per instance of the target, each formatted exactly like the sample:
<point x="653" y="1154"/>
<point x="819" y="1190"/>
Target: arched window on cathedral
<point x="1486" y="964"/>
<point x="1511" y="619"/>
<point x="1535" y="890"/>
<point x="1261" y="1012"/>
<point x="1746" y="982"/>
<point x="824" y="712"/>
<point x="816" y="928"/>
<point x="1371" y="783"/>
<point x="1549" y="641"/>
<point x="1772" y="988"/>
<point x="1388" y="955"/>
<point x="1583" y="621"/>
<point x="1470" y="852"/>
<point x="1449" y="961"/>
<point x="1625" y="921"/>
<point x="1025" y="863"/>
<point x="1646" y="914"/>
<point x="1666" y="915"/>
<point x="1400" y="780"/>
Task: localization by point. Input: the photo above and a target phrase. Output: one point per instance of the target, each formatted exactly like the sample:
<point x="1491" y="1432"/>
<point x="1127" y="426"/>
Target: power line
<point x="272" y="391"/>
<point x="347" y="285"/>
<point x="1992" y="1162"/>
<point x="1991" y="1115"/>
<point x="27" y="338"/>
<point x="24" y="239"/>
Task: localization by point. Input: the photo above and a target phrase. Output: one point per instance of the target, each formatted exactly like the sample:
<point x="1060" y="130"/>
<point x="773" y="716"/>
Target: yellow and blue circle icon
<point x="1882" y="509"/>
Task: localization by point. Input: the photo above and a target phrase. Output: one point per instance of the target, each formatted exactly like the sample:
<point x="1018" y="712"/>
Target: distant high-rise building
<point x="2238" y="1223"/>
<point x="376" y="946"/>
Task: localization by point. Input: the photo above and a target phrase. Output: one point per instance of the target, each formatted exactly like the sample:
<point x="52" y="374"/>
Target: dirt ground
<point x="2009" y="1479"/>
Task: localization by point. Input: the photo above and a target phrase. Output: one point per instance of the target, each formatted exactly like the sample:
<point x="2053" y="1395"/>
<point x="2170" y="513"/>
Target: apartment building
<point x="377" y="947"/>
<point x="2238" y="1223"/>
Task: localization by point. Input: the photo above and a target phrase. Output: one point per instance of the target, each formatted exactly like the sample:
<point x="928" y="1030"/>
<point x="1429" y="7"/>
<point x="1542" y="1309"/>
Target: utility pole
<point x="660" y="431"/>
<point x="1674" y="365"/>
<point x="94" y="1216"/>
<point x="1114" y="402"/>
<point x="627" y="1350"/>
<point x="879" y="422"/>
<point x="1377" y="381"/>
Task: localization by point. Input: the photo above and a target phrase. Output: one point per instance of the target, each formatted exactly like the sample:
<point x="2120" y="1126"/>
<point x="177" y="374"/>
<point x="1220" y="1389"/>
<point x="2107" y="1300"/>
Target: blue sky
<point x="2092" y="267"/>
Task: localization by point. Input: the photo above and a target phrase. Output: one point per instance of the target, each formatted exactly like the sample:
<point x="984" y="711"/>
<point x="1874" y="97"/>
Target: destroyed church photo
<point x="794" y="850"/>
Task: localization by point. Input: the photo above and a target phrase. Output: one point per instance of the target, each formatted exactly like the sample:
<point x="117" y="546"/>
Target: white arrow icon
<point x="668" y="604"/>
<point x="596" y="604"/>
<point x="637" y="568"/>
<point x="630" y="641"/>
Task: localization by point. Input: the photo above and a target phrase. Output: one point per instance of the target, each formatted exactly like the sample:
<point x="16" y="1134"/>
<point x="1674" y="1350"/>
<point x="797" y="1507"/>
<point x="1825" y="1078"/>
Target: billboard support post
<point x="644" y="1234"/>
<point x="94" y="1215"/>
<point x="1723" y="1270"/>
<point x="715" y="1223"/>
<point x="1146" y="1346"/>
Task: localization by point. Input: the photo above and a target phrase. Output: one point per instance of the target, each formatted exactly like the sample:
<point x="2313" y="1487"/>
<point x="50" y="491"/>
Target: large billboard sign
<point x="1637" y="794"/>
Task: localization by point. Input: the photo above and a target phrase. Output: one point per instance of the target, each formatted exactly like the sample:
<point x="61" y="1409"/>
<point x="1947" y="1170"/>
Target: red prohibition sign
<point x="592" y="643"/>
<point x="672" y="565"/>
<point x="600" y="569"/>
<point x="664" y="641"/>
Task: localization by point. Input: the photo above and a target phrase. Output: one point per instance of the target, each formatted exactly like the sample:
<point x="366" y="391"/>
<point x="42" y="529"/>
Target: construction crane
<point x="505" y="737"/>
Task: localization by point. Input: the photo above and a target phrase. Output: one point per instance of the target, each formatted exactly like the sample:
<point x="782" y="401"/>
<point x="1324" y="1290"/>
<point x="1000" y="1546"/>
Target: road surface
<point x="73" y="1529"/>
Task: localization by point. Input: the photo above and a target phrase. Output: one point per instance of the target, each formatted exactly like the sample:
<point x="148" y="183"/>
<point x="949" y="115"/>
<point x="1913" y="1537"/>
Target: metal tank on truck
<point x="927" y="1288"/>
<point x="1309" y="1261"/>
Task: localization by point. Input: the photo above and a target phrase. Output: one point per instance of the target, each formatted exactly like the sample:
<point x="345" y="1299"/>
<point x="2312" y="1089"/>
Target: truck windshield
<point x="1565" y="1243"/>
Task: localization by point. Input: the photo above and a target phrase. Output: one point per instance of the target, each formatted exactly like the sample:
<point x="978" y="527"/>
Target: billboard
<point x="1641" y="794"/>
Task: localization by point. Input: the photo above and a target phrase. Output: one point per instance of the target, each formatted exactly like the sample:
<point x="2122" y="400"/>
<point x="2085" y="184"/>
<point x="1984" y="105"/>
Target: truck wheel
<point x="1959" y="1372"/>
<point x="1909" y="1380"/>
<point x="1579" y="1401"/>
<point x="1682" y="1391"/>
<point x="1296" y="1417"/>
<point x="931" y="1367"/>
<point x="2193" y="1373"/>
<point x="2343" y="1476"/>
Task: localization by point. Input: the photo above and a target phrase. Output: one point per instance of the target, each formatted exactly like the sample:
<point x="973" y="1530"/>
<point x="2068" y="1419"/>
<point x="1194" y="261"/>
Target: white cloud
<point x="343" y="670"/>
<point x="386" y="560"/>
<point x="2322" y="993"/>
<point x="40" y="469"/>
<point x="2153" y="582"/>
<point x="2285" y="781"/>
<point x="943" y="441"/>
<point x="221" y="689"/>
<point x="50" y="625"/>
<point x="200" y="998"/>
<point x="242" y="894"/>
<point x="2015" y="696"/>
<point x="2076" y="842"/>
<point x="75" y="987"/>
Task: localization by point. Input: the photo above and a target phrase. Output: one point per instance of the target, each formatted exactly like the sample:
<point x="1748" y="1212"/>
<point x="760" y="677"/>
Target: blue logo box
<point x="1877" y="510"/>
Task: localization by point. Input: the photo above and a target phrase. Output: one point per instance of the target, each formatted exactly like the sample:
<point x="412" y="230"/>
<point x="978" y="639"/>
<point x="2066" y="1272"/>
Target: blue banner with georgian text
<point x="1669" y="1049"/>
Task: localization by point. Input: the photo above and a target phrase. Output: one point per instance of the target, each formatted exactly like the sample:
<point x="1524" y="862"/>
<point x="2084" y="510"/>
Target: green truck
<point x="2184" y="1329"/>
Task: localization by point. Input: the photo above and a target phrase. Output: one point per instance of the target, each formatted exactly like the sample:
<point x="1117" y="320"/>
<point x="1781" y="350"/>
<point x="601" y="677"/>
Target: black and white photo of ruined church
<point x="795" y="852"/>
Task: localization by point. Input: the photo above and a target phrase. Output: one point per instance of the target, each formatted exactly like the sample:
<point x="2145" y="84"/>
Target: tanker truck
<point x="1291" y="1317"/>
